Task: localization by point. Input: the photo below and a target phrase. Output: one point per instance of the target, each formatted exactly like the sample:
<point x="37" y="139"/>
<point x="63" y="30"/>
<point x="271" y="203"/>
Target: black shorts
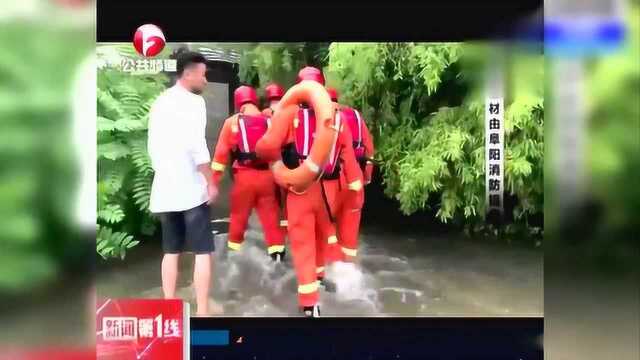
<point x="187" y="231"/>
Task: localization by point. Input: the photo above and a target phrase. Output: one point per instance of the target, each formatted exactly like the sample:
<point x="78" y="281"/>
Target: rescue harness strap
<point x="326" y="202"/>
<point x="281" y="197"/>
<point x="248" y="159"/>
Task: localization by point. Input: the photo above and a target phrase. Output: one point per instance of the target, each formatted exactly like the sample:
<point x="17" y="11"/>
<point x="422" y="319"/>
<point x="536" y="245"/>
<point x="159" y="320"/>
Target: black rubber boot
<point x="278" y="256"/>
<point x="311" y="311"/>
<point x="328" y="285"/>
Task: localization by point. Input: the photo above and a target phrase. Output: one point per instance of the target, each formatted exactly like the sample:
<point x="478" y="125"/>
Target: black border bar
<point x="253" y="21"/>
<point x="374" y="338"/>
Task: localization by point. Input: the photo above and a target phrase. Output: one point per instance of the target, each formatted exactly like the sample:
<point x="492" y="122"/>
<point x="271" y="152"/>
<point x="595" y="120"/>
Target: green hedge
<point x="124" y="168"/>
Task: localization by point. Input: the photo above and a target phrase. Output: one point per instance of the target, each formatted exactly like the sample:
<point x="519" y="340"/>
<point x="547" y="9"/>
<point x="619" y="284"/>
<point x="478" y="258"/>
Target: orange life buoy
<point x="316" y="96"/>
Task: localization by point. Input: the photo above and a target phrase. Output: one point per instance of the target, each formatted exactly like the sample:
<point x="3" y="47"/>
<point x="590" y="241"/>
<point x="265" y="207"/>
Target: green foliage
<point x="112" y="214"/>
<point x="612" y="90"/>
<point x="422" y="104"/>
<point x="124" y="168"/>
<point x="263" y="63"/>
<point x="37" y="176"/>
<point x="113" y="244"/>
<point x="424" y="107"/>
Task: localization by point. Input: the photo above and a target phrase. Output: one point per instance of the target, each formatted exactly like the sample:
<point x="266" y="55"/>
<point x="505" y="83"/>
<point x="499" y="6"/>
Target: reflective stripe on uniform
<point x="356" y="185"/>
<point x="308" y="288"/>
<point x="312" y="166"/>
<point x="305" y="149"/>
<point x="359" y="126"/>
<point x="216" y="166"/>
<point x="332" y="239"/>
<point x="234" y="246"/>
<point x="319" y="269"/>
<point x="275" y="248"/>
<point x="332" y="155"/>
<point x="276" y="165"/>
<point x="243" y="134"/>
<point x="349" y="252"/>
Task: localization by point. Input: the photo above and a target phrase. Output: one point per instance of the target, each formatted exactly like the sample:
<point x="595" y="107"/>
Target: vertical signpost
<point x="494" y="139"/>
<point x="494" y="154"/>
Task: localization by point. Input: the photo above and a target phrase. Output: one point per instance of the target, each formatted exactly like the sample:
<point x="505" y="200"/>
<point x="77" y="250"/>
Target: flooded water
<point x="396" y="275"/>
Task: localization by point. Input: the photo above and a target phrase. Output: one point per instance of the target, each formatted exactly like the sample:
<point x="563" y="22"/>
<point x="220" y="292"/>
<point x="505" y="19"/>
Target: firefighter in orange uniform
<point x="309" y="219"/>
<point x="347" y="204"/>
<point x="253" y="183"/>
<point x="273" y="93"/>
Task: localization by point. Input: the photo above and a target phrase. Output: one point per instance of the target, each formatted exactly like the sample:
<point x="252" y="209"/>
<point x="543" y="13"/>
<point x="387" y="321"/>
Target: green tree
<point x="425" y="107"/>
<point x="124" y="168"/>
<point x="263" y="63"/>
<point x="613" y="156"/>
<point x="37" y="177"/>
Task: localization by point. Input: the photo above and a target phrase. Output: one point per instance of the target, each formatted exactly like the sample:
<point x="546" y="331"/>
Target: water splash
<point x="435" y="278"/>
<point x="353" y="284"/>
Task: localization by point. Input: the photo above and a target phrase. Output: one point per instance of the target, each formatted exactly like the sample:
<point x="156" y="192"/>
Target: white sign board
<point x="494" y="153"/>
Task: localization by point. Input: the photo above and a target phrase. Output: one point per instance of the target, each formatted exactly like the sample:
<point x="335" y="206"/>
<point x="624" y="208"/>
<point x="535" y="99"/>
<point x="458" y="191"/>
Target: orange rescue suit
<point x="309" y="225"/>
<point x="345" y="203"/>
<point x="253" y="187"/>
<point x="282" y="192"/>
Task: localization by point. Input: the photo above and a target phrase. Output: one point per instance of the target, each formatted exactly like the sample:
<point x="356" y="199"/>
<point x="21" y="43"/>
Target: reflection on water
<point x="396" y="275"/>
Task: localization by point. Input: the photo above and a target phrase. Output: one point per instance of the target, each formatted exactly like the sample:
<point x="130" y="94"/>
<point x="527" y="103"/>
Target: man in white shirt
<point x="182" y="185"/>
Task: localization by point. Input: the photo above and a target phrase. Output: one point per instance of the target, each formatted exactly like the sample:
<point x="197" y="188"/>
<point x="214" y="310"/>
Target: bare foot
<point x="195" y="312"/>
<point x="215" y="308"/>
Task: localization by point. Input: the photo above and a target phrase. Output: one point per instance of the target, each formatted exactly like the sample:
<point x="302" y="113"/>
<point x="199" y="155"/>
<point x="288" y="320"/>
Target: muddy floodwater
<point x="396" y="275"/>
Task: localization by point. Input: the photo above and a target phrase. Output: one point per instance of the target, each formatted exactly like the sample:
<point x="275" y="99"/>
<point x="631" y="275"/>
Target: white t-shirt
<point x="176" y="146"/>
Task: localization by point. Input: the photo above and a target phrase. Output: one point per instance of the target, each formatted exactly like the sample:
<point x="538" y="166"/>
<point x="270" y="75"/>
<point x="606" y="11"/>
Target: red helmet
<point x="245" y="94"/>
<point x="311" y="73"/>
<point x="333" y="93"/>
<point x="273" y="91"/>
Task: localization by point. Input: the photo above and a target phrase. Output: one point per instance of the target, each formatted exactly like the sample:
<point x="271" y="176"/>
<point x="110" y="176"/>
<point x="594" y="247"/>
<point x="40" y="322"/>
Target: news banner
<point x="162" y="329"/>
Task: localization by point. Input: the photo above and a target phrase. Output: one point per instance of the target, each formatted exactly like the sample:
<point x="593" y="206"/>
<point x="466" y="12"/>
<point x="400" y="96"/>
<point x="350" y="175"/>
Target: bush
<point x="38" y="177"/>
<point x="423" y="105"/>
<point x="124" y="168"/>
<point x="278" y="62"/>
